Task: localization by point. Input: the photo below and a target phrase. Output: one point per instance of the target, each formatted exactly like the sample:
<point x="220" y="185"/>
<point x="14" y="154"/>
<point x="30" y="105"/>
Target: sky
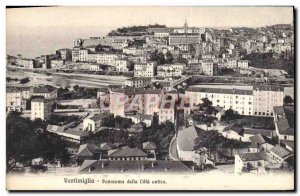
<point x="36" y="31"/>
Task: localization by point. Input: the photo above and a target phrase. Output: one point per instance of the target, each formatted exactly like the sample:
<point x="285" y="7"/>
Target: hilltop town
<point x="156" y="99"/>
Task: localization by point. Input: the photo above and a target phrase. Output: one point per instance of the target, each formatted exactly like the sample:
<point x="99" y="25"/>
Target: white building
<point x="170" y="70"/>
<point x="208" y="67"/>
<point x="265" y="98"/>
<point x="240" y="101"/>
<point x="284" y="122"/>
<point x="14" y="101"/>
<point x="40" y="108"/>
<point x="243" y="64"/>
<point x="137" y="82"/>
<point x="145" y="70"/>
<point x="251" y="162"/>
<point x="122" y="65"/>
<point x="48" y="92"/>
<point x="95" y="67"/>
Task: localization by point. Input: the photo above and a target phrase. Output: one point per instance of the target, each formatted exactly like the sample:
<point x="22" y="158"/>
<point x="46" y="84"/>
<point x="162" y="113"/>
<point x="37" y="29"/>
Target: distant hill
<point x="133" y="30"/>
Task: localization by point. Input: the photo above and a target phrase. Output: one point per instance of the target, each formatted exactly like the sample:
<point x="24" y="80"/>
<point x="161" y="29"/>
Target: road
<point x="173" y="149"/>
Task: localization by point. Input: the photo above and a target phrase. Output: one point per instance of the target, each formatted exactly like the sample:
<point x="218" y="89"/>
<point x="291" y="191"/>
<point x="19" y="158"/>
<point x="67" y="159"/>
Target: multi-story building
<point x="188" y="38"/>
<point x="170" y="70"/>
<point x="166" y="113"/>
<point x="83" y="55"/>
<point x="14" y="101"/>
<point x="108" y="58"/>
<point x="148" y="69"/>
<point x="26" y="63"/>
<point x="208" y="67"/>
<point x="65" y="54"/>
<point x="40" y="108"/>
<point x="243" y="64"/>
<point x="284" y="123"/>
<point x="231" y="63"/>
<point x="265" y="98"/>
<point x="48" y="92"/>
<point x="95" y="67"/>
<point x="137" y="82"/>
<point x="240" y="101"/>
<point x="75" y="53"/>
<point x="122" y="65"/>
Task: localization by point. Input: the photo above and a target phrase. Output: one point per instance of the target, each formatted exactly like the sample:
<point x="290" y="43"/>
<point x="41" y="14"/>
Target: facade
<point x="208" y="67"/>
<point x="127" y="154"/>
<point x="243" y="64"/>
<point x="65" y="54"/>
<point x="48" y="92"/>
<point x="251" y="162"/>
<point x="137" y="82"/>
<point x="40" y="108"/>
<point x="170" y="70"/>
<point x="179" y="38"/>
<point x="265" y="98"/>
<point x="14" y="100"/>
<point x="26" y="63"/>
<point x="122" y="65"/>
<point x="95" y="67"/>
<point x="148" y="69"/>
<point x="284" y="122"/>
<point x="240" y="101"/>
<point x="94" y="122"/>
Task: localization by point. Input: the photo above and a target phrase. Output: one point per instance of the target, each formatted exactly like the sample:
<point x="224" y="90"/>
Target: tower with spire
<point x="185" y="27"/>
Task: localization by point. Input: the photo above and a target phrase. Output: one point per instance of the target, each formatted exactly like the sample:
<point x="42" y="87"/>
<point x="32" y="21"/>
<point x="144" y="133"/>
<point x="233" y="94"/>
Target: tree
<point x="229" y="115"/>
<point x="169" y="57"/>
<point x="287" y="100"/>
<point x="206" y="114"/>
<point x="159" y="57"/>
<point x="180" y="59"/>
<point x="211" y="140"/>
<point x="24" y="80"/>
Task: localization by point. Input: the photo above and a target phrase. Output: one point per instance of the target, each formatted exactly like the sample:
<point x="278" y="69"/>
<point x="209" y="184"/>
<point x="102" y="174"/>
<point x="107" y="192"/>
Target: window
<point x="285" y="137"/>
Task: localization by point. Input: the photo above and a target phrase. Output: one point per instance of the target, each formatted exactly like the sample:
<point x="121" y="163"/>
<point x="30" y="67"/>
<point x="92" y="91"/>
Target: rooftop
<point x="87" y="150"/>
<point x="44" y="89"/>
<point x="280" y="151"/>
<point x="160" y="166"/>
<point x="127" y="152"/>
<point x="285" y="119"/>
<point x="251" y="157"/>
<point x="149" y="146"/>
<point x="266" y="132"/>
<point x="186" y="138"/>
<point x="220" y="91"/>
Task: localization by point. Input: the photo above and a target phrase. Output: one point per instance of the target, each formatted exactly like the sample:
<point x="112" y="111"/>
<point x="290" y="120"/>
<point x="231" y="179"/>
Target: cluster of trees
<point x="55" y="119"/>
<point x="160" y="58"/>
<point x="133" y="30"/>
<point x="288" y="100"/>
<point x="26" y="140"/>
<point x="22" y="80"/>
<point x="229" y="115"/>
<point x="117" y="122"/>
<point x="78" y="92"/>
<point x="160" y="134"/>
<point x="214" y="143"/>
<point x="268" y="61"/>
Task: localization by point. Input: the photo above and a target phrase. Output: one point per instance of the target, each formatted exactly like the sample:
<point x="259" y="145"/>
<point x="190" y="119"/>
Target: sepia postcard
<point x="150" y="98"/>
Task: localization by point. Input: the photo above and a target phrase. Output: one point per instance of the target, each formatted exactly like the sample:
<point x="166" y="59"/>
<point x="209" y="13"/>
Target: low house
<point x="280" y="154"/>
<point x="127" y="153"/>
<point x="87" y="152"/>
<point x="284" y="122"/>
<point x="290" y="145"/>
<point x="145" y="118"/>
<point x="261" y="143"/>
<point x="249" y="132"/>
<point x="136" y="128"/>
<point x="233" y="132"/>
<point x="104" y="148"/>
<point x="150" y="148"/>
<point x="37" y="161"/>
<point x="94" y="122"/>
<point x="185" y="146"/>
<point x="248" y="162"/>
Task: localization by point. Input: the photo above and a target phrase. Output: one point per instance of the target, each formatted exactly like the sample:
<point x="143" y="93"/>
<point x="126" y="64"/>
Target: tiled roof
<point x="149" y="146"/>
<point x="261" y="139"/>
<point x="44" y="89"/>
<point x="105" y="146"/>
<point x="280" y="151"/>
<point x="128" y="152"/>
<point x="220" y="91"/>
<point x="289" y="143"/>
<point x="159" y="166"/>
<point x="285" y="119"/>
<point x="266" y="132"/>
<point x="87" y="150"/>
<point x="251" y="157"/>
<point x="186" y="137"/>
